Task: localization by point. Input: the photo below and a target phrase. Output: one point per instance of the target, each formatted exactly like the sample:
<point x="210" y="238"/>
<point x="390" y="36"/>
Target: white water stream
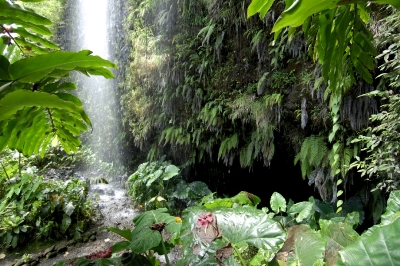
<point x="99" y="96"/>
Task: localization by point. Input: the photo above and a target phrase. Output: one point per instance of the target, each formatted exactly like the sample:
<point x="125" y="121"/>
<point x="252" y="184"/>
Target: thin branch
<point x="51" y="119"/>
<point x="12" y="38"/>
<point x="5" y="171"/>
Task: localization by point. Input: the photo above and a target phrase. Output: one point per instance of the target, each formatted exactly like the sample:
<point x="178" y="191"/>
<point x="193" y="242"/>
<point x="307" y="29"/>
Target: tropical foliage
<point x="381" y="141"/>
<point x="300" y="92"/>
<point x="159" y="184"/>
<point x="204" y="88"/>
<point x="303" y="233"/>
<point x="36" y="105"/>
<point x="33" y="208"/>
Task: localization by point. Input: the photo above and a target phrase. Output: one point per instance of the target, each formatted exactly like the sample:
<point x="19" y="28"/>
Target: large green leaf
<point x="304" y="210"/>
<point x="34" y="69"/>
<point x="4" y="64"/>
<point x="143" y="237"/>
<point x="240" y="224"/>
<point x="308" y="246"/>
<point x="170" y="171"/>
<point x="17" y="100"/>
<point x="35" y="38"/>
<point x="278" y="203"/>
<point x="379" y="248"/>
<point x="8" y="10"/>
<point x="393" y="208"/>
<point x="300" y="10"/>
<point x="32" y="119"/>
<point x="259" y="6"/>
<point x="27" y="25"/>
<point x="338" y="234"/>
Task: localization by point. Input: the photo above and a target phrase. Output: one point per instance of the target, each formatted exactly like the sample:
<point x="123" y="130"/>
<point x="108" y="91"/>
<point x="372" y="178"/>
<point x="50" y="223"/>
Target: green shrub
<point x="159" y="184"/>
<point x="31" y="208"/>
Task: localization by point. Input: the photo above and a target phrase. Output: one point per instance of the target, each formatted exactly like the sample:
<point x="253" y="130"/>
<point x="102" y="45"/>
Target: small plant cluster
<point x="31" y="208"/>
<point x="159" y="184"/>
<point x="233" y="231"/>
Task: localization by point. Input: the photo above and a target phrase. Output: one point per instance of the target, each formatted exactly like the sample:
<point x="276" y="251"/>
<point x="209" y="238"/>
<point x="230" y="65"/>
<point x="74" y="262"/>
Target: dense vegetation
<point x="208" y="84"/>
<point x="37" y="110"/>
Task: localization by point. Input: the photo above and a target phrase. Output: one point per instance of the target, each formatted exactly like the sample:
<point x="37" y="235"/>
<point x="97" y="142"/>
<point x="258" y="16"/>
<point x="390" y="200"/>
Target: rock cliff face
<point x="212" y="89"/>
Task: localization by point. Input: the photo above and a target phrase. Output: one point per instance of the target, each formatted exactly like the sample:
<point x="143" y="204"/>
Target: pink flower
<point x="205" y="219"/>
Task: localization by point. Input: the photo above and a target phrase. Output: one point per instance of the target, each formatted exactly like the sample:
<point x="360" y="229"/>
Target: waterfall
<point x="96" y="25"/>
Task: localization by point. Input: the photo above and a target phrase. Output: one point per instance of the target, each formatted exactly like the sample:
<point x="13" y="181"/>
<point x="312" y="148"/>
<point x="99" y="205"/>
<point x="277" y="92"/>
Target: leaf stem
<point x="51" y="119"/>
<point x="5" y="171"/>
<point x="19" y="164"/>
<point x="165" y="252"/>
<point x="12" y="38"/>
<point x="237" y="252"/>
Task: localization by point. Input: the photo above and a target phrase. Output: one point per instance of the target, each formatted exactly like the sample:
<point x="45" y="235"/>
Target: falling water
<point x="96" y="25"/>
<point x="93" y="25"/>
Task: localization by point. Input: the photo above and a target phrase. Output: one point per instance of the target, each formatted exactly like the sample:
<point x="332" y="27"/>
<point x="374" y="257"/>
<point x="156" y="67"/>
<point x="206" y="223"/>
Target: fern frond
<point x="313" y="154"/>
<point x="227" y="145"/>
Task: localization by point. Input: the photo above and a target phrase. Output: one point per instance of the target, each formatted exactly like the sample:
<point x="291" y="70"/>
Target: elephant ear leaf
<point x="392" y="209"/>
<point x="379" y="244"/>
<point x="379" y="248"/>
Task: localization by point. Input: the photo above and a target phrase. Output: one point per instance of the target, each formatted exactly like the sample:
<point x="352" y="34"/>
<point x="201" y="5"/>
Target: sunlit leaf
<point x="278" y="202"/>
<point x="378" y="248"/>
<point x="33" y="69"/>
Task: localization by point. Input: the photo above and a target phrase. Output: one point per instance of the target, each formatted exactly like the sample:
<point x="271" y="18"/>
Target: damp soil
<point x="116" y="211"/>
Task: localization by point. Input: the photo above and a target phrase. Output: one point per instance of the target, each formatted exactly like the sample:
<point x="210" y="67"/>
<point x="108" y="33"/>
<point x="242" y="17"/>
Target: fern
<point x="313" y="154"/>
<point x="227" y="145"/>
<point x="206" y="32"/>
<point x="261" y="83"/>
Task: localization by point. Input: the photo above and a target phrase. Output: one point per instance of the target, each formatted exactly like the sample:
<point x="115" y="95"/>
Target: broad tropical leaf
<point x="300" y="10"/>
<point x="238" y="225"/>
<point x="17" y="100"/>
<point x="379" y="248"/>
<point x="308" y="246"/>
<point x="13" y="11"/>
<point x="29" y="120"/>
<point x="392" y="209"/>
<point x="34" y="69"/>
<point x="278" y="203"/>
<point x="259" y="6"/>
<point x="304" y="210"/>
<point x="143" y="237"/>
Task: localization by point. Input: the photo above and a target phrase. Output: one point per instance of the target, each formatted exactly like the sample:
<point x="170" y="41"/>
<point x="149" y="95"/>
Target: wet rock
<point x="110" y="192"/>
<point x="19" y="262"/>
<point x="92" y="238"/>
<point x="36" y="257"/>
<point x="61" y="248"/>
<point x="51" y="254"/>
<point x="48" y="250"/>
<point x="72" y="242"/>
